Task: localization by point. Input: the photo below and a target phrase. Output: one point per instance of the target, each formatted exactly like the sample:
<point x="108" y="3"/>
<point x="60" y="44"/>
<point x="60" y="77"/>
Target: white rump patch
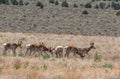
<point x="28" y="45"/>
<point x="58" y="47"/>
<point x="5" y="44"/>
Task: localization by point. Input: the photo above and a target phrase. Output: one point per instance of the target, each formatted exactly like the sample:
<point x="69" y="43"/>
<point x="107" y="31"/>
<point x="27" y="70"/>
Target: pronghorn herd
<point x="41" y="48"/>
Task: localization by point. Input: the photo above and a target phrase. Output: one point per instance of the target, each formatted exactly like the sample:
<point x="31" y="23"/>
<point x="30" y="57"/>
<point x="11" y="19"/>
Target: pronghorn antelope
<point x="72" y="49"/>
<point x="58" y="51"/>
<point x="84" y="51"/>
<point x="37" y="48"/>
<point x="12" y="46"/>
<point x="31" y="48"/>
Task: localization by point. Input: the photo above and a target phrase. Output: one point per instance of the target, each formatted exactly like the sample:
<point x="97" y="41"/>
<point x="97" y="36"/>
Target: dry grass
<point x="30" y="67"/>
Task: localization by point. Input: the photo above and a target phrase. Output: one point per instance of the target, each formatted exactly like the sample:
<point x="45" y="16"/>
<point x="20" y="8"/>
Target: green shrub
<point x="44" y="67"/>
<point x="118" y="13"/>
<point x="65" y="4"/>
<point x="97" y="57"/>
<point x="39" y="4"/>
<point x="17" y="64"/>
<point x="26" y="3"/>
<point x="85" y="12"/>
<point x="88" y="5"/>
<point x="26" y="64"/>
<point x="115" y="6"/>
<point x="46" y="56"/>
<point x="75" y="5"/>
<point x="14" y="2"/>
<point x="96" y="6"/>
<point x="21" y="55"/>
<point x="21" y="3"/>
<point x="102" y="5"/>
<point x="106" y="65"/>
<point x="56" y="3"/>
<point x="52" y="1"/>
<point x="6" y="2"/>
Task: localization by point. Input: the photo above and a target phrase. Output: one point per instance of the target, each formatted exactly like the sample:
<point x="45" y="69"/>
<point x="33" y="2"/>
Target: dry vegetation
<point x="57" y="19"/>
<point x="37" y="67"/>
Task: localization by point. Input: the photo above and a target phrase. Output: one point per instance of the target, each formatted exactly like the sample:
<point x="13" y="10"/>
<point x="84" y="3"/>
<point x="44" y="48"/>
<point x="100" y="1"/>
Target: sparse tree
<point x="6" y="2"/>
<point x="85" y="12"/>
<point x="21" y="3"/>
<point x="118" y="13"/>
<point x="96" y="6"/>
<point x="65" y="4"/>
<point x="39" y="4"/>
<point x="14" y="2"/>
<point x="88" y="5"/>
<point x="75" y="5"/>
<point x="52" y="1"/>
<point x="56" y="3"/>
<point x="102" y="5"/>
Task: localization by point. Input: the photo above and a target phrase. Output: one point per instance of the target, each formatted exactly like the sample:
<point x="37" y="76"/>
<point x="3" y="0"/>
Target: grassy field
<point x="103" y="62"/>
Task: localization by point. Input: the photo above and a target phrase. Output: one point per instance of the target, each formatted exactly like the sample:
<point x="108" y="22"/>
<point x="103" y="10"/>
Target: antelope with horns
<point x="84" y="51"/>
<point x="58" y="51"/>
<point x="37" y="48"/>
<point x="12" y="46"/>
<point x="71" y="49"/>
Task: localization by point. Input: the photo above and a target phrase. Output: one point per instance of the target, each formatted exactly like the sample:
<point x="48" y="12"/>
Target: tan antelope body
<point x="37" y="48"/>
<point x="12" y="46"/>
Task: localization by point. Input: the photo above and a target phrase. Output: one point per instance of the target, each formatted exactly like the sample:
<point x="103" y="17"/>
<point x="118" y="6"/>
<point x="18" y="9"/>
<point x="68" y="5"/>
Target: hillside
<point x="60" y="20"/>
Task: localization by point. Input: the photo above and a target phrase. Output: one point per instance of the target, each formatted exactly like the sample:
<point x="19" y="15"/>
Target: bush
<point x="65" y="4"/>
<point x="88" y="5"/>
<point x="39" y="4"/>
<point x="106" y="65"/>
<point x="85" y="12"/>
<point x="97" y="57"/>
<point x="56" y="3"/>
<point x="51" y="1"/>
<point x="6" y="2"/>
<point x="14" y="2"/>
<point x="17" y="64"/>
<point x="75" y="5"/>
<point x="118" y="13"/>
<point x="115" y="6"/>
<point x="44" y="67"/>
<point x="96" y="6"/>
<point x="21" y="3"/>
<point x="46" y="56"/>
<point x="26" y="3"/>
<point x="102" y="5"/>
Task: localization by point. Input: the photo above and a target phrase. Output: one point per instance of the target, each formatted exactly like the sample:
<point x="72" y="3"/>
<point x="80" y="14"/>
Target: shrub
<point x="118" y="13"/>
<point x="102" y="5"/>
<point x="51" y="1"/>
<point x="6" y="2"/>
<point x="85" y="12"/>
<point x="46" y="56"/>
<point x="39" y="4"/>
<point x="65" y="4"/>
<point x="96" y="6"/>
<point x="75" y="5"/>
<point x="26" y="64"/>
<point x="97" y="57"/>
<point x="56" y="3"/>
<point x="106" y="65"/>
<point x="17" y="64"/>
<point x="88" y="5"/>
<point x="26" y="3"/>
<point x="44" y="67"/>
<point x="21" y="3"/>
<point x="14" y="2"/>
<point x="115" y="6"/>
